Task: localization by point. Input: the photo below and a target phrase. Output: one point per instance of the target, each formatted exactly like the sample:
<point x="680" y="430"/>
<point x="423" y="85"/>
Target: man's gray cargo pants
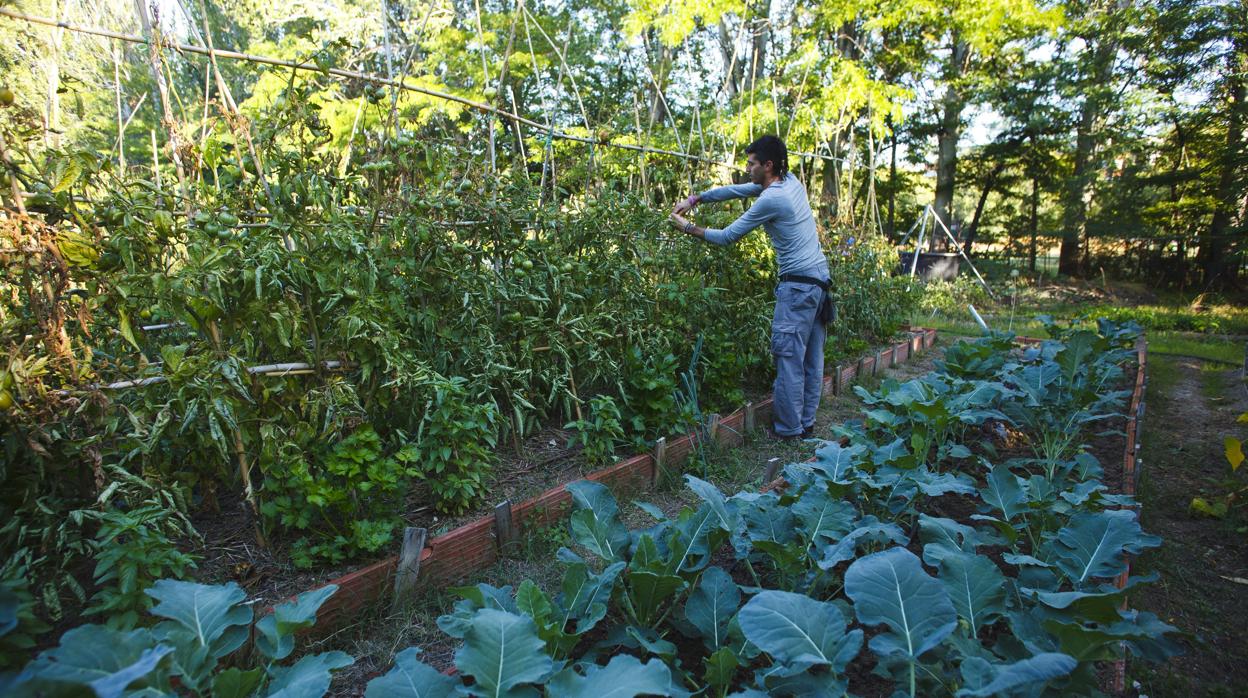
<point x="797" y="339"/>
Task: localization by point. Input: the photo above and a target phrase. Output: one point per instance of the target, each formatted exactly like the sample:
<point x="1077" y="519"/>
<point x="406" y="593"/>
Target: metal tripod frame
<point x="921" y="224"/>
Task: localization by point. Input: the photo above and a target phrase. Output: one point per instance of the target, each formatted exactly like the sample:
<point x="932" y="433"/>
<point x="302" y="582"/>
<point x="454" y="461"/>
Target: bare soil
<point x="1190" y="408"/>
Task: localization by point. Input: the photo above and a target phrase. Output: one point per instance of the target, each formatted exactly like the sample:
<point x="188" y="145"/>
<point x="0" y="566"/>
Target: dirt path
<point x="1190" y="409"/>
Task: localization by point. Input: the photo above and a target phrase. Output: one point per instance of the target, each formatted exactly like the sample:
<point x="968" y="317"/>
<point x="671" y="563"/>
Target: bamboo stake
<point x="155" y="59"/>
<point x="485" y="80"/>
<point x="155" y="159"/>
<point x="121" y="128"/>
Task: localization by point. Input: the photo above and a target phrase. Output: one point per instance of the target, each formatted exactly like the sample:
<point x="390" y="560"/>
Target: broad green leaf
<point x="502" y="652"/>
<point x="798" y="630"/>
<point x="690" y="540"/>
<point x="595" y="520"/>
<point x="891" y="588"/>
<point x="309" y="677"/>
<point x="710" y="494"/>
<point x="1073" y="355"/>
<point x="104" y="660"/>
<point x="943" y="536"/>
<point x="475" y="598"/>
<point x="822" y="517"/>
<point x="649" y="591"/>
<point x="976" y="587"/>
<point x="870" y="530"/>
<point x="836" y="461"/>
<point x="1003" y="678"/>
<point x="277" y="630"/>
<point x="236" y="683"/>
<point x="1144" y="633"/>
<point x="550" y="622"/>
<point x="412" y="678"/>
<point x="766" y="519"/>
<point x="937" y="484"/>
<point x="711" y="605"/>
<point x="1003" y="492"/>
<point x="623" y="677"/>
<point x="721" y="667"/>
<point x="212" y="614"/>
<point x="654" y="512"/>
<point x="1094" y="545"/>
<point x="584" y="595"/>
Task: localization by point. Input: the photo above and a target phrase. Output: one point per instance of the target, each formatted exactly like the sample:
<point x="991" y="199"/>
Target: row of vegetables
<point x="949" y="543"/>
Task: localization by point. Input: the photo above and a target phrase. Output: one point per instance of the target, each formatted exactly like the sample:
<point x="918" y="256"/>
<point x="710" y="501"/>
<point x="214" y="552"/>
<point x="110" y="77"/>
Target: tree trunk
<point x="892" y="183"/>
<point x="660" y="58"/>
<point x="950" y="129"/>
<point x="1216" y="267"/>
<point x="1033" y="222"/>
<point x="761" y="36"/>
<point x="732" y="63"/>
<point x="989" y="185"/>
<point x="1078" y="187"/>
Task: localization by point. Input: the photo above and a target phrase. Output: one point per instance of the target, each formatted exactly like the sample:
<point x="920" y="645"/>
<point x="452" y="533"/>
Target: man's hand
<point x="687" y="205"/>
<point x="683" y="224"/>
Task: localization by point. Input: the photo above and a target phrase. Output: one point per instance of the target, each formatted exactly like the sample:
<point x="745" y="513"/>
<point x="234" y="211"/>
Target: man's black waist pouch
<point x="827" y="308"/>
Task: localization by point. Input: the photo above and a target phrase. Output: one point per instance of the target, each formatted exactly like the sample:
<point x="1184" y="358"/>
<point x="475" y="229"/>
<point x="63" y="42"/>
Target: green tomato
<point x="526" y="264"/>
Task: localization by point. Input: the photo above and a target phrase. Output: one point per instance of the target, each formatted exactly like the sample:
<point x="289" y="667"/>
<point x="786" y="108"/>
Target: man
<point x="802" y="302"/>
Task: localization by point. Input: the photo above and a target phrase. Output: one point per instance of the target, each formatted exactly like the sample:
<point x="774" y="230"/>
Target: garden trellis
<point x="398" y="84"/>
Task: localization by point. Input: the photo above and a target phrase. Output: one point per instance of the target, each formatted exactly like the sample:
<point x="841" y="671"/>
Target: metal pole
<point x="961" y="252"/>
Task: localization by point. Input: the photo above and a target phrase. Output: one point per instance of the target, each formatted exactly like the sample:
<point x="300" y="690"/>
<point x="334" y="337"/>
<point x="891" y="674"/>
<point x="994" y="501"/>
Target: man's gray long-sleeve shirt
<point x="784" y="212"/>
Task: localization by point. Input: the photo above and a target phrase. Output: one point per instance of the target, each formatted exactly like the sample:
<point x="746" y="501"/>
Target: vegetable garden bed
<point x="777" y="593"/>
<point x="475" y="545"/>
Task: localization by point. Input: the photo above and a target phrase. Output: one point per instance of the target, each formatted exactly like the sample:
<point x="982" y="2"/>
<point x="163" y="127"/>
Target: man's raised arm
<point x="725" y="193"/>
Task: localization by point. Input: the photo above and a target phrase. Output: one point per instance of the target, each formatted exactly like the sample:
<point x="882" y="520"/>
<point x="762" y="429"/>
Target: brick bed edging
<point x="1131" y="464"/>
<point x="473" y="547"/>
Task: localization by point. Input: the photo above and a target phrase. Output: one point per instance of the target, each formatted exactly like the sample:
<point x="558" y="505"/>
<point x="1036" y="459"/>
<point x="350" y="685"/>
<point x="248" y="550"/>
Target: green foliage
<point x="342" y="500"/>
<point x="951" y="297"/>
<point x="600" y="433"/>
<point x="453" y="451"/>
<point x="133" y="549"/>
<point x="19" y="624"/>
<point x="197" y="647"/>
<point x="650" y="394"/>
<point x="871" y="302"/>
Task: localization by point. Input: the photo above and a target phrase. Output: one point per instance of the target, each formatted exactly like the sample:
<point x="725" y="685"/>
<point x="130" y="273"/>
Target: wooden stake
<point x="660" y="460"/>
<point x="749" y="420"/>
<point x="712" y="428"/>
<point x="769" y="475"/>
<point x="408" y="570"/>
<point x="504" y="531"/>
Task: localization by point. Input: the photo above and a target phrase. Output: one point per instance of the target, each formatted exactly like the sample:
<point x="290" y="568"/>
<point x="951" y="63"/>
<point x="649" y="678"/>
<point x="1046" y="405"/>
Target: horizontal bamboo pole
<point x="283" y="369"/>
<point x="400" y="83"/>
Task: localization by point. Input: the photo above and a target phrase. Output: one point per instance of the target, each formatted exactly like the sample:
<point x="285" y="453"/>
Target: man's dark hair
<point x="771" y="148"/>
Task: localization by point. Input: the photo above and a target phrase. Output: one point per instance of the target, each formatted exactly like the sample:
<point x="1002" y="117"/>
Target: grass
<point x="1216" y="348"/>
